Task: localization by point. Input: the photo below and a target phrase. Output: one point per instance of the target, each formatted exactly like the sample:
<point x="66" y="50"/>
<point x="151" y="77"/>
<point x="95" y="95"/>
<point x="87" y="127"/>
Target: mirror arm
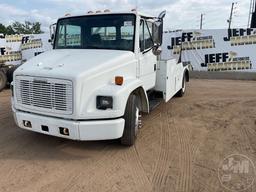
<point x="151" y="36"/>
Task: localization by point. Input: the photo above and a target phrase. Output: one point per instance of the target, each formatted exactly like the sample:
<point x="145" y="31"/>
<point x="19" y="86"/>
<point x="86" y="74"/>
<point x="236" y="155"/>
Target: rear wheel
<point x="3" y="80"/>
<point x="132" y="121"/>
<point x="183" y="89"/>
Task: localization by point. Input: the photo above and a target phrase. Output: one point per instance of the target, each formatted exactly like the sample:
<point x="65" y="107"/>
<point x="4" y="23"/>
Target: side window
<point x="61" y="36"/>
<point x="148" y="35"/>
<point x="146" y="29"/>
<point x="70" y="35"/>
<point x="142" y="43"/>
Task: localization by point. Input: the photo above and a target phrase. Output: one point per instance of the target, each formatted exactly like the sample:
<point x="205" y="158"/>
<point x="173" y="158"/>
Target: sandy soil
<point x="179" y="148"/>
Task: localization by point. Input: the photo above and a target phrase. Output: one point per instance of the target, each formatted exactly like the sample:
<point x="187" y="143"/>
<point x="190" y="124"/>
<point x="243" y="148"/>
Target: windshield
<point x="96" y="32"/>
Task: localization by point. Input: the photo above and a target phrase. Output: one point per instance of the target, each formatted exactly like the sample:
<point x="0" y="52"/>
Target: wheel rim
<point x="137" y="120"/>
<point x="184" y="86"/>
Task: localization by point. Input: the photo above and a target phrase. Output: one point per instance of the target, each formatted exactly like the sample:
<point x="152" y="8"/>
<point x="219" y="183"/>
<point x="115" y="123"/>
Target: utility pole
<point x="201" y="21"/>
<point x="231" y="15"/>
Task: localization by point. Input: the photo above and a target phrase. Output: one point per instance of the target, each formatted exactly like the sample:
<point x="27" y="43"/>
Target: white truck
<point x="104" y="71"/>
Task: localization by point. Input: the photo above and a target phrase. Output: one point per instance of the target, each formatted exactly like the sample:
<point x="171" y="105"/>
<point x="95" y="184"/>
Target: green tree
<point x="9" y="30"/>
<point x="27" y="27"/>
<point x="36" y="28"/>
<point x="2" y="28"/>
<point x="21" y="28"/>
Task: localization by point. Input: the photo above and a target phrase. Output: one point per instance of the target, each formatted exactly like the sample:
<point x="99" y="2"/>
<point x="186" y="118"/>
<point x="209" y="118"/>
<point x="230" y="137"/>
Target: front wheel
<point x="182" y="91"/>
<point x="132" y="121"/>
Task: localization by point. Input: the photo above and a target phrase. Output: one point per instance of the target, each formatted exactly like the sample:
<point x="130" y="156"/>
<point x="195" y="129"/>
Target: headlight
<point x="104" y="102"/>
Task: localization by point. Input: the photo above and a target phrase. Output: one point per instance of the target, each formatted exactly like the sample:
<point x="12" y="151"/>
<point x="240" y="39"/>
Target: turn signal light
<point x="64" y="131"/>
<point x="27" y="124"/>
<point x="119" y="80"/>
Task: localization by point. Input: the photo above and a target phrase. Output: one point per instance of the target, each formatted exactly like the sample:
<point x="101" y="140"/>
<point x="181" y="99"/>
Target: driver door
<point x="147" y="60"/>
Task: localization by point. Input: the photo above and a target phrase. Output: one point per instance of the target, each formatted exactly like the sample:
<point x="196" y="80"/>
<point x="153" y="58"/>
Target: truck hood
<point x="70" y="64"/>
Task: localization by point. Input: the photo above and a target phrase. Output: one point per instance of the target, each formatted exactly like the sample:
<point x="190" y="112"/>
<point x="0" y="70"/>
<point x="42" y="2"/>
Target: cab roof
<point x="91" y="13"/>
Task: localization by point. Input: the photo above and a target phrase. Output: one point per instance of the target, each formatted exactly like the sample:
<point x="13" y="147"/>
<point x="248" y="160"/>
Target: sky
<point x="181" y="14"/>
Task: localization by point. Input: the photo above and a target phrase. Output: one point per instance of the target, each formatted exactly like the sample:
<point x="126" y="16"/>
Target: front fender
<point x="120" y="96"/>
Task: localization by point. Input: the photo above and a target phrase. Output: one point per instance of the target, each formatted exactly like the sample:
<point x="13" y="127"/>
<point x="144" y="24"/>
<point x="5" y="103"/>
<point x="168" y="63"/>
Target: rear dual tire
<point x="182" y="91"/>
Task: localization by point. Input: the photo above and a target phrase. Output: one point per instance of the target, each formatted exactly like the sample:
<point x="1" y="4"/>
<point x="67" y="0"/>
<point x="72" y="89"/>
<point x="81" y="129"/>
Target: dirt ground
<point x="179" y="148"/>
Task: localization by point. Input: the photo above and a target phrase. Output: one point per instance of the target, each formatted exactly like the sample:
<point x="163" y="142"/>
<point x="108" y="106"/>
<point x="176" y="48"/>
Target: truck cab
<point x="104" y="71"/>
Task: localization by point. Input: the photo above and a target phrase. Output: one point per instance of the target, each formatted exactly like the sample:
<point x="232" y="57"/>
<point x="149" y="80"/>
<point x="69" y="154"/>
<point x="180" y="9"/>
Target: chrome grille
<point x="42" y="94"/>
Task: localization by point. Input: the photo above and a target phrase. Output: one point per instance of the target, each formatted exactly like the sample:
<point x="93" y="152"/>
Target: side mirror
<point x="51" y="39"/>
<point x="158" y="28"/>
<point x="158" y="32"/>
<point x="157" y="50"/>
<point x="52" y="33"/>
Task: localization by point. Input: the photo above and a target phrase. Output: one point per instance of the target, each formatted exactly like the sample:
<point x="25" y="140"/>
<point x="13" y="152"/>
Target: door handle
<point x="154" y="67"/>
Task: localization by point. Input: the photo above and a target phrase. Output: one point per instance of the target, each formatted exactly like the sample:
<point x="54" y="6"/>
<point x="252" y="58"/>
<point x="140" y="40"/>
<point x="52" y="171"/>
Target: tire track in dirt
<point x="137" y="169"/>
<point x="187" y="155"/>
<point x="205" y="186"/>
<point x="246" y="148"/>
<point x="213" y="182"/>
<point x="164" y="160"/>
<point x="99" y="163"/>
<point x="190" y="145"/>
<point x="184" y="180"/>
<point x="245" y="145"/>
<point x="203" y="167"/>
<point x="75" y="174"/>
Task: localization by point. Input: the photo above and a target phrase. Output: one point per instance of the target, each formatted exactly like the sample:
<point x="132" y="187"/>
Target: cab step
<point x="155" y="98"/>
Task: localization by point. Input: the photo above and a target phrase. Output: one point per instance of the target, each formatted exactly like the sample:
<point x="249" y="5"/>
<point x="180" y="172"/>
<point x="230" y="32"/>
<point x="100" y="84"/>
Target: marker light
<point x="119" y="80"/>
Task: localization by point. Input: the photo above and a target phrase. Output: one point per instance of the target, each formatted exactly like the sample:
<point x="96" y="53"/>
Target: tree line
<point x="21" y="28"/>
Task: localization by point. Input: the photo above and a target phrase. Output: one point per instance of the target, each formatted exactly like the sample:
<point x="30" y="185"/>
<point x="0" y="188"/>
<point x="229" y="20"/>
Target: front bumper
<point x="78" y="130"/>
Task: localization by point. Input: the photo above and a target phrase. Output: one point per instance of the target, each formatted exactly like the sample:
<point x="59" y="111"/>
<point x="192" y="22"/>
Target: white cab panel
<point x="148" y="64"/>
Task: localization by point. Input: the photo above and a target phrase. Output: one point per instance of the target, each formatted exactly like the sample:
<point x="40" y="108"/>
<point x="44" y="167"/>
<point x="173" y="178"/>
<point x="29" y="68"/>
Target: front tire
<point x="131" y="117"/>
<point x="3" y="80"/>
